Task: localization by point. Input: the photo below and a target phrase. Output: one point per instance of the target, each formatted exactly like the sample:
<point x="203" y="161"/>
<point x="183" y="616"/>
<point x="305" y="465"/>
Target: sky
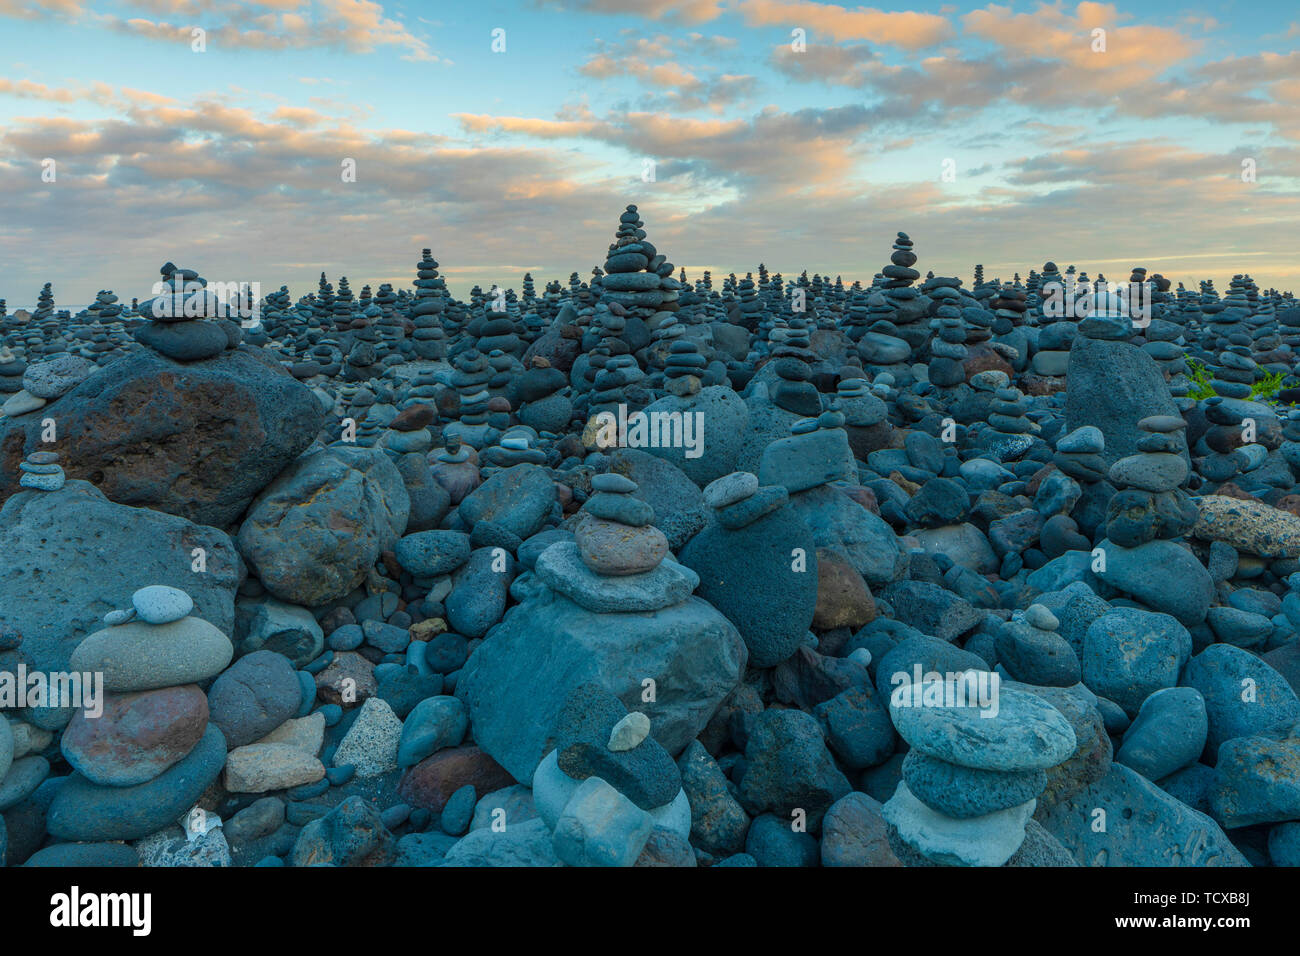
<point x="508" y="137"/>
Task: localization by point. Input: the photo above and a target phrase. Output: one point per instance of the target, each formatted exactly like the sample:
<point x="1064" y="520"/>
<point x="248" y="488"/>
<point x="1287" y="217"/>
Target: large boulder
<point x="1141" y="825"/>
<point x="68" y="557"/>
<point x="198" y="440"/>
<point x="316" y="530"/>
<point x="516" y="681"/>
<point x="1113" y="386"/>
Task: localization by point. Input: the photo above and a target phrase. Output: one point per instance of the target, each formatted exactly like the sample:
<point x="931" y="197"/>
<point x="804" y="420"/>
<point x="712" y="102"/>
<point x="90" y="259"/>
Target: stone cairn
<point x="972" y="777"/>
<point x="153" y="656"/>
<point x="178" y="329"/>
<point x="1150" y="503"/>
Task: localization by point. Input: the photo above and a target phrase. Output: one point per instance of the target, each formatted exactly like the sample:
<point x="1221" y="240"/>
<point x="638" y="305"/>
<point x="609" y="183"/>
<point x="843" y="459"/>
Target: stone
<point x="854" y="833"/>
<point x="58" y="376"/>
<point x="314" y="532"/>
<point x="788" y="767"/>
<point x="629" y="732"/>
<point x="160" y="604"/>
<point x="371" y="743"/>
<point x="1162" y="575"/>
<point x="257" y="768"/>
<point x="257" y="694"/>
<point x="610" y="548"/>
<point x="432" y="725"/>
<point x="137" y="736"/>
<point x="527" y="844"/>
<point x="431" y="782"/>
<point x="86" y="812"/>
<point x="1249" y="526"/>
<point x="718" y="822"/>
<point x="963" y="792"/>
<point x="1145" y="826"/>
<point x="730" y="489"/>
<point x="1168" y="733"/>
<point x="136" y="656"/>
<point x="561" y="568"/>
<point x="351" y="834"/>
<point x="518" y="499"/>
<point x="218" y="432"/>
<point x="428" y="554"/>
<point x="1025" y="733"/>
<point x="989" y="840"/>
<point x="600" y="827"/>
<point x="1129" y="654"/>
<point x="1258" y="780"/>
<point x="1222" y="673"/>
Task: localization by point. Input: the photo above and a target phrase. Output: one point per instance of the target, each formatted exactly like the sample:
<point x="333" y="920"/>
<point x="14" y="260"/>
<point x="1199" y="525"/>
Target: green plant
<point x="1200" y="377"/>
<point x="1267" y="387"/>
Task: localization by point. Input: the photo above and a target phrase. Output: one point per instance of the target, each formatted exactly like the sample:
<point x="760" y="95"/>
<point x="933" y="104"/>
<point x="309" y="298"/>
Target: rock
<point x="72" y="556"/>
<point x="843" y="598"/>
<point x="561" y="569"/>
<point x="1163" y="575"/>
<point x="1168" y="733"/>
<point x="600" y="827"/>
<point x="427" y="554"/>
<point x="854" y="833"/>
<point x="317" y="529"/>
<point x="171" y="848"/>
<point x="58" y="376"/>
<point x="629" y="732"/>
<point x="135" y="656"/>
<point x="305" y="733"/>
<point x="349" y="835"/>
<point x="1258" y="779"/>
<point x="1112" y="386"/>
<point x="1249" y="526"/>
<point x="217" y="432"/>
<point x="931" y="609"/>
<point x="718" y="823"/>
<point x="754" y="576"/>
<point x="516" y="681"/>
<point x="1129" y="654"/>
<point x="527" y="844"/>
<point x="772" y="841"/>
<point x="1023" y="733"/>
<point x="787" y="767"/>
<point x="257" y="768"/>
<point x="963" y="792"/>
<point x="1243" y="696"/>
<point x="137" y="736"/>
<point x="85" y="812"/>
<point x="256" y="695"/>
<point x="432" y="781"/>
<point x="988" y="840"/>
<point x="480" y="592"/>
<point x="1143" y="826"/>
<point x="371" y="743"/>
<point x="518" y="499"/>
<point x="433" y="724"/>
<point x="265" y="624"/>
<point x="160" y="604"/>
<point x="348" y="680"/>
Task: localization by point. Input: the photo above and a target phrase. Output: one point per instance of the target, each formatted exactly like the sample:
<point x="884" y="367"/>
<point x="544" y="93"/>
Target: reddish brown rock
<point x="138" y="736"/>
<point x="982" y="357"/>
<point x="863" y="496"/>
<point x="332" y="683"/>
<point x="843" y="598"/>
<point x="413" y="418"/>
<point x="432" y="781"/>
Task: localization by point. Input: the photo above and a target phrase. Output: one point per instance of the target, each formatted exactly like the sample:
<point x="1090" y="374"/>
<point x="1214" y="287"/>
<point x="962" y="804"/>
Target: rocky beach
<point x="652" y="569"/>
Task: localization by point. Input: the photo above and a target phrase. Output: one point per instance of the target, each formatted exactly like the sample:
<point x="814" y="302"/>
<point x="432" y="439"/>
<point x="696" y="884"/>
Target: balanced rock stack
<point x="11" y="371"/>
<point x="973" y="775"/>
<point x="632" y="268"/>
<point x="1150" y="503"/>
<point x="177" y="329"/>
<point x="615" y="534"/>
<point x="470" y="375"/>
<point x="430" y="301"/>
<point x="143" y="764"/>
<point x="609" y="793"/>
<point x="41" y="472"/>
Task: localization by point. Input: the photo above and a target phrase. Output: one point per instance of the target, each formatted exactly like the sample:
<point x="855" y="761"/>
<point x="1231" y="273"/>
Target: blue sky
<point x="228" y="160"/>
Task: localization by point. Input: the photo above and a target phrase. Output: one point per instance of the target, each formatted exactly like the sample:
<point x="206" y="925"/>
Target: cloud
<point x="906" y="29"/>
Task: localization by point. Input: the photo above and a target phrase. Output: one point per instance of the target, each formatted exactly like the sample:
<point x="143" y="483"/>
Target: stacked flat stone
<point x="540" y="396"/>
<point x="130" y="780"/>
<point x="11" y="371"/>
<point x="428" y="339"/>
<point x="470" y="375"/>
<point x="948" y="347"/>
<point x="899" y="274"/>
<point x="178" y="328"/>
<point x="1079" y="455"/>
<point x="684" y="368"/>
<point x="41" y="471"/>
<point x="515" y="447"/>
<point x="973" y="775"/>
<point x="615" y="535"/>
<point x="865" y="416"/>
<point x="1150" y="503"/>
<point x="1010" y="433"/>
<point x="793" y="389"/>
<point x="1031" y="651"/>
<point x="630" y="277"/>
<point x="44" y="304"/>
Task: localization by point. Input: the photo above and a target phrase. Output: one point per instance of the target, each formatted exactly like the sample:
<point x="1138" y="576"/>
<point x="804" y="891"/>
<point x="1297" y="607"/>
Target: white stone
<point x="989" y="840"/>
<point x="371" y="743"/>
<point x="629" y="732"/>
